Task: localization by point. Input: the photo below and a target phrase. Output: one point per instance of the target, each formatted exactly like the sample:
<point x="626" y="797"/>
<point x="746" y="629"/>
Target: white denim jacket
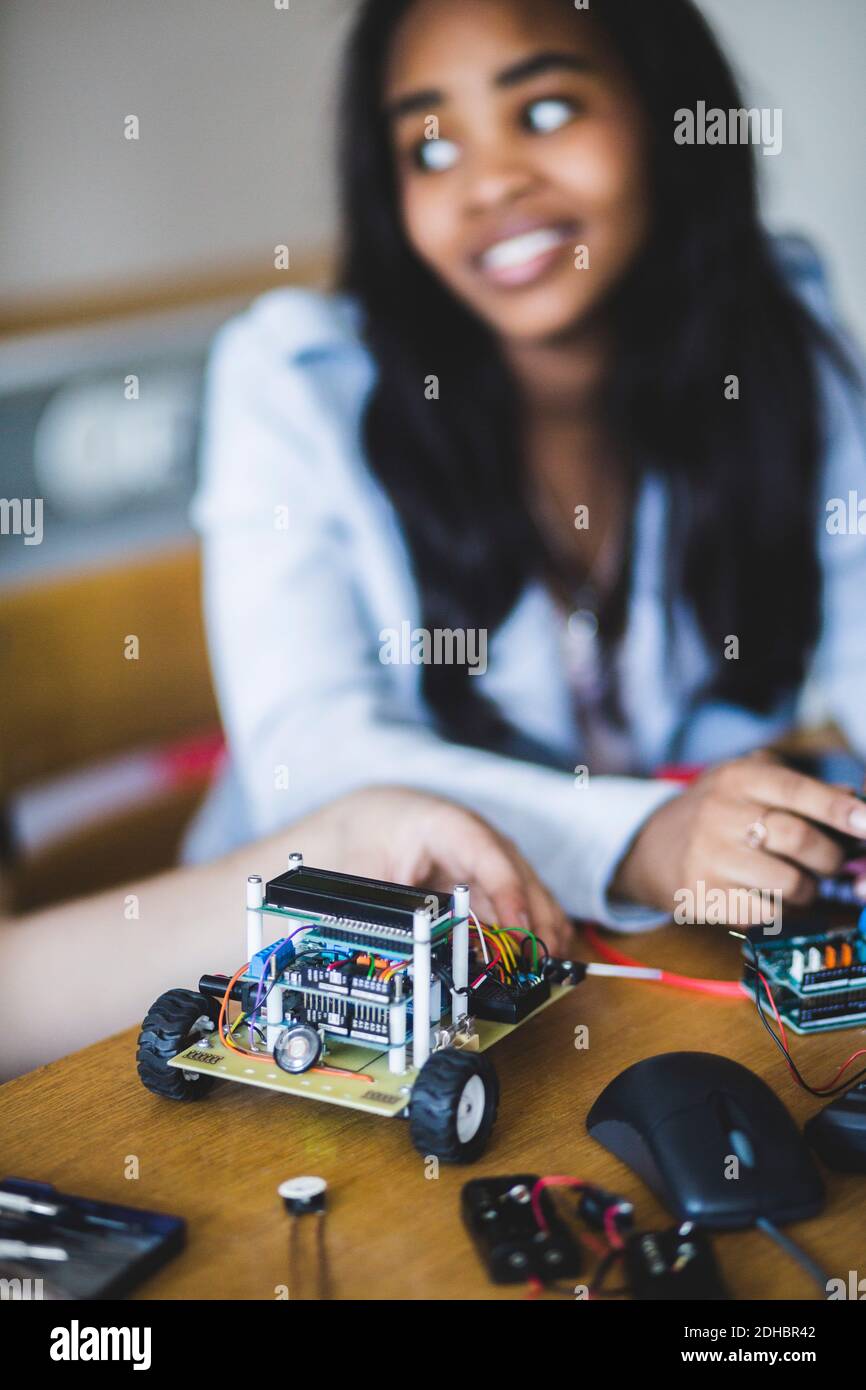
<point x="306" y="566"/>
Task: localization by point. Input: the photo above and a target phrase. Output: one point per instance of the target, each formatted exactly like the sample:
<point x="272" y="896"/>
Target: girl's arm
<point x="77" y="973"/>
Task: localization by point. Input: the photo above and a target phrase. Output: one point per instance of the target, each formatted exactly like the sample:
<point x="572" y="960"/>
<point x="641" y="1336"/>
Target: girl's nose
<point x="497" y="177"/>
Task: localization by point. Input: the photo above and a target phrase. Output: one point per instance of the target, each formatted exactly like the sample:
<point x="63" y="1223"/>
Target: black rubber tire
<point x="166" y="1031"/>
<point x="435" y="1100"/>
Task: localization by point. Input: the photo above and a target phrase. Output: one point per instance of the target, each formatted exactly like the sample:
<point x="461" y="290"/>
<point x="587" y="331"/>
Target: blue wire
<point x="795" y="1251"/>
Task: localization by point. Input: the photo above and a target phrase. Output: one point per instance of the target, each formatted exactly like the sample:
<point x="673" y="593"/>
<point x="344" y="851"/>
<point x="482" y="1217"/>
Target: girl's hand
<point x="429" y="842"/>
<point x="750" y="824"/>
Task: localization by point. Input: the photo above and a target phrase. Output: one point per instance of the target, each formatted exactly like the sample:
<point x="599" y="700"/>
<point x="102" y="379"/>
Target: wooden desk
<point x="392" y="1232"/>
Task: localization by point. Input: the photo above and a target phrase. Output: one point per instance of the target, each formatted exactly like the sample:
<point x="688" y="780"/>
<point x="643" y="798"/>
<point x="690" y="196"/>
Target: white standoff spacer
<point x="421" y="968"/>
<point x="275" y="1014"/>
<point x="255" y="899"/>
<point x="436" y="1000"/>
<point x="460" y="951"/>
<point x="397" y="1030"/>
<point x="296" y="860"/>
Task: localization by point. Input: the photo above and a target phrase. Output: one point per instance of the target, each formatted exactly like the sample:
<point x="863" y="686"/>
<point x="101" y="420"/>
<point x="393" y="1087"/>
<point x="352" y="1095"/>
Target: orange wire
<point x="343" y="1071"/>
<point x="393" y="969"/>
<point x="221" y="1022"/>
<point x="258" y="1056"/>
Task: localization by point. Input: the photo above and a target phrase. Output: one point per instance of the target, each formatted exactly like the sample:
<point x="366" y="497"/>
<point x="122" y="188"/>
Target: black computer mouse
<point x="711" y="1140"/>
<point x="838" y="1132"/>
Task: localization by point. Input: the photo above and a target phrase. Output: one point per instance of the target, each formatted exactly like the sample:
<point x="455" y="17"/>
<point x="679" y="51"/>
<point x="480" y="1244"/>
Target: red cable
<point x="493" y="946"/>
<point x="729" y="989"/>
<point x="610" y="1227"/>
<point x="558" y="1181"/>
<point x="725" y="989"/>
<point x="828" y="1085"/>
<point x="844" y="1067"/>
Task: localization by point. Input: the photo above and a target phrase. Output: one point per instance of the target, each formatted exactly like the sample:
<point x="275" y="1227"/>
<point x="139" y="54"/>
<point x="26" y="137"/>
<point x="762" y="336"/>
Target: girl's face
<point x="518" y="139"/>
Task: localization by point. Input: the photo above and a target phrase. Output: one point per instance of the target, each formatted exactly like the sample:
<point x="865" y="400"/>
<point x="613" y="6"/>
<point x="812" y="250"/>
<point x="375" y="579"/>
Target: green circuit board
<point x="374" y="1087"/>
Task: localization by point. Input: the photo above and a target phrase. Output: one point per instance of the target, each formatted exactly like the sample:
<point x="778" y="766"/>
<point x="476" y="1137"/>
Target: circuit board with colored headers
<point x="817" y="977"/>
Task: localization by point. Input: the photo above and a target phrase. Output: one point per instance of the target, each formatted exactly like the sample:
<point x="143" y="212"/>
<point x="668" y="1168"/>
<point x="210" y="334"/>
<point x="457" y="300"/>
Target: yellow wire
<point x="506" y="945"/>
<point x="498" y="938"/>
<point x="389" y="974"/>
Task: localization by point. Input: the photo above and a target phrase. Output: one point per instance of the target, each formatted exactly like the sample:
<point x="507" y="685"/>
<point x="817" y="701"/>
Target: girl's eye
<point x="551" y="113"/>
<point x="435" y="156"/>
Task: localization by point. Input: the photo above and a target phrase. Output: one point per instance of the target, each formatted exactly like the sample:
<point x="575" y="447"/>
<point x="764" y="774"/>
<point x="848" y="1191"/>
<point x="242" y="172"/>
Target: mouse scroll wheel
<point x="741" y="1145"/>
<point x="732" y="1123"/>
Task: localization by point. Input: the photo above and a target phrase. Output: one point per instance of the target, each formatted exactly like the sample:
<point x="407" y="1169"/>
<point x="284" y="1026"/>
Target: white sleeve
<point x="839" y="666"/>
<point x="306" y="705"/>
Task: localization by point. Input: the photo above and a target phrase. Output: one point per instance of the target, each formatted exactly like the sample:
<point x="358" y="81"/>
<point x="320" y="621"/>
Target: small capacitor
<point x="797" y="968"/>
<point x="830" y="958"/>
<point x="302" y="1195"/>
<point x="814" y="961"/>
<point x="846" y="955"/>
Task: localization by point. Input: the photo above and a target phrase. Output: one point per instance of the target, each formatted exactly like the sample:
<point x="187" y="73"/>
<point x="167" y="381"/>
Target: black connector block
<point x="492" y="1001"/>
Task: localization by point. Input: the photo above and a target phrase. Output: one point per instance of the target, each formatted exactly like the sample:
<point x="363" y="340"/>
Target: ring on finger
<point x="757" y="834"/>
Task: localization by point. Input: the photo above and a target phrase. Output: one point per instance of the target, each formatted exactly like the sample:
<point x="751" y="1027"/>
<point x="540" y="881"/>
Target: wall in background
<point x="236" y="103"/>
<point x="808" y="60"/>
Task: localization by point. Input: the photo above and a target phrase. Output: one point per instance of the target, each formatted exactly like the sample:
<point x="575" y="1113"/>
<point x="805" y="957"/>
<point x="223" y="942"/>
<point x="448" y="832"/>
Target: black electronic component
<point x="349" y="977"/>
<point x="838" y="1132"/>
<point x="356" y="1020"/>
<point x="594" y="1204"/>
<point x="243" y="992"/>
<point x="353" y="898"/>
<point x="676" y="1264"/>
<point x="560" y="972"/>
<point x="304" y="1198"/>
<point x="499" y="1216"/>
<point x="492" y="1000"/>
<point x="303" y="1195"/>
<point x="215" y="986"/>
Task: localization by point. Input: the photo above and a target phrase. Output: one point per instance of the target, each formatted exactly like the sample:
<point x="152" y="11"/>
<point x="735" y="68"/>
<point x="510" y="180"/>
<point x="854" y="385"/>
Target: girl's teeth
<point x="520" y="249"/>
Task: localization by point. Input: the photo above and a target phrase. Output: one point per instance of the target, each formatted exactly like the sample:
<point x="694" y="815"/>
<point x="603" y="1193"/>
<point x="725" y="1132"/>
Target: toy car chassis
<point x="370" y="995"/>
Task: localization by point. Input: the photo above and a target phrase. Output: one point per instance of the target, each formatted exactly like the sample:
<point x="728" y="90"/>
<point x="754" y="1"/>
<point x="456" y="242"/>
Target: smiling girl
<point x="571" y="396"/>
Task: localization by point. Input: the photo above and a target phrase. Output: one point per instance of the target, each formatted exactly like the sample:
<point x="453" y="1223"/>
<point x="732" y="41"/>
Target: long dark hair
<point x="705" y="301"/>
